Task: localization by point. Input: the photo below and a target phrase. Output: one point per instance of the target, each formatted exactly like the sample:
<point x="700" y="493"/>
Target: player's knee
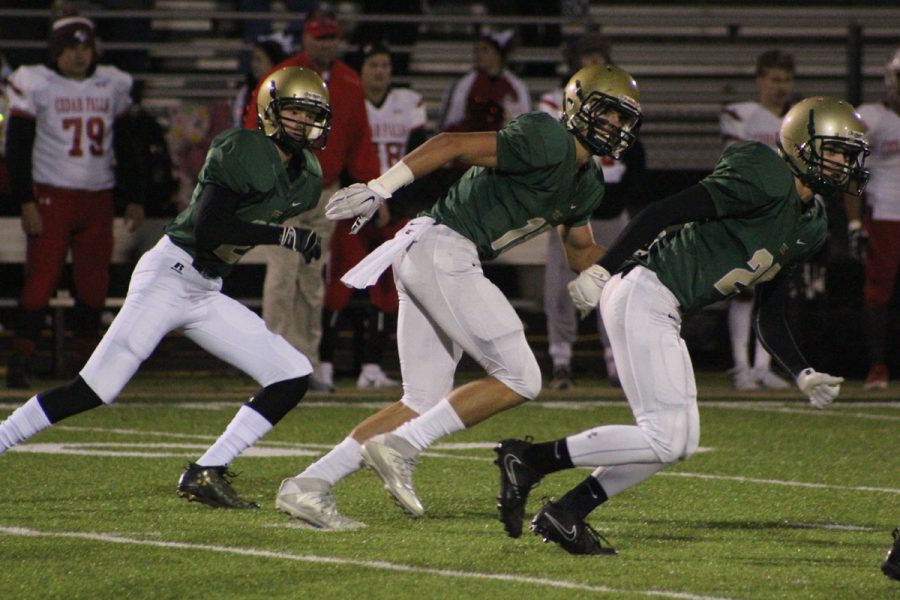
<point x="674" y="439"/>
<point x="523" y="377"/>
<point x="274" y="401"/>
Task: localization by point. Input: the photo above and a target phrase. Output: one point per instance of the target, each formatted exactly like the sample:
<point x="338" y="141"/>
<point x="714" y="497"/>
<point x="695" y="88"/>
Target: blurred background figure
<point x="624" y="186"/>
<point x="397" y="119"/>
<point x="760" y="121"/>
<point x="490" y="95"/>
<point x="882" y="220"/>
<point x="268" y="50"/>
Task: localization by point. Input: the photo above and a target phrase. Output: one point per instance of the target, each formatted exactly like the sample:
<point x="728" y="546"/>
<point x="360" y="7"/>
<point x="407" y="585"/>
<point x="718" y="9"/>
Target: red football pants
<point x="882" y="260"/>
<point x="72" y="219"/>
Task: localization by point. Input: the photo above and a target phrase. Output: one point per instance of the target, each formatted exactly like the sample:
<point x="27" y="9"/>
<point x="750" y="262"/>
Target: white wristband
<point x="393" y="179"/>
<point x="854" y="225"/>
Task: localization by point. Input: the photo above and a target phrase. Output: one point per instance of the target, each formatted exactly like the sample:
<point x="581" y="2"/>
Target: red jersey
<point x="350" y="141"/>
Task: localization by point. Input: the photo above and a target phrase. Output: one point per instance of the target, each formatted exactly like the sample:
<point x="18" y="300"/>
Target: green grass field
<point x="782" y="502"/>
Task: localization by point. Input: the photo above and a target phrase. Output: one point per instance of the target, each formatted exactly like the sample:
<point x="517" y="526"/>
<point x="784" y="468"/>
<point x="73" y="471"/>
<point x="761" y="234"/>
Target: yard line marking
<point x="788" y="483"/>
<point x="368" y="564"/>
<point x="830" y="526"/>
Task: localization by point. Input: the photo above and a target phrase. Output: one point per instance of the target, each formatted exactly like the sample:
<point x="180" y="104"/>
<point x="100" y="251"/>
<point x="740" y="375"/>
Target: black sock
<point x="66" y="400"/>
<point x="583" y="498"/>
<point x="549" y="457"/>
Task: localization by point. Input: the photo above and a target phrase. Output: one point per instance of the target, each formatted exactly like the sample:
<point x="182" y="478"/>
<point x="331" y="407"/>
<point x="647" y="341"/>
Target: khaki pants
<point x="293" y="291"/>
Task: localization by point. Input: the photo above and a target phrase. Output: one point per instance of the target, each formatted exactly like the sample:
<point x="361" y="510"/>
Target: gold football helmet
<point x="294" y="87"/>
<point x="824" y="143"/>
<point x="602" y="109"/>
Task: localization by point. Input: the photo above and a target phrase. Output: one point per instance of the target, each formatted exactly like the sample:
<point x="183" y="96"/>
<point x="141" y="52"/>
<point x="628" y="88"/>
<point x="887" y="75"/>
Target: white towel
<point x="369" y="269"/>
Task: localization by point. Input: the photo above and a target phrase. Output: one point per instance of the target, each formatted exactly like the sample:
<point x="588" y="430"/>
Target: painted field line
<point x="367" y="564"/>
<point x="830" y="526"/>
<point x="787" y="483"/>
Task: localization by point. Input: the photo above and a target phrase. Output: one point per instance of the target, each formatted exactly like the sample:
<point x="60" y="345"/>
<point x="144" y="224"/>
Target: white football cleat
<point x="309" y="499"/>
<point x="745" y="380"/>
<point x="372" y="376"/>
<point x="770" y="380"/>
<point x="393" y="460"/>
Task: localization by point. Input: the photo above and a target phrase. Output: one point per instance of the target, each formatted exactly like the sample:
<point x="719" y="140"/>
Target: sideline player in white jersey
<point x="882" y="219"/>
<point x="64" y="146"/>
<point x="251" y="183"/>
<point x="623" y="183"/>
<point x="756" y="121"/>
<point x="397" y="120"/>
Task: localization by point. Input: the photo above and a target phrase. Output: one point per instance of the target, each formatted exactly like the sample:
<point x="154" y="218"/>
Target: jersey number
<point x="93" y="128"/>
<point x="762" y="268"/>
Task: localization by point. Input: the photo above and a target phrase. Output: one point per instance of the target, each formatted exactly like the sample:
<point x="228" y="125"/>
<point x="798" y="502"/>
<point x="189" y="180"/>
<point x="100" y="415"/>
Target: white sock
<point x="618" y="478"/>
<point x="24" y="422"/>
<point x="739" y="315"/>
<point x="326" y="373"/>
<point x="762" y="360"/>
<point x="433" y="424"/>
<point x="561" y="353"/>
<point x="341" y="461"/>
<point x="610" y="445"/>
<point x="245" y="429"/>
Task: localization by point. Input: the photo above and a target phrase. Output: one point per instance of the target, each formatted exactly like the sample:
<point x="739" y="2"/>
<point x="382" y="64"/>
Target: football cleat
<point x="877" y="379"/>
<point x="562" y="379"/>
<point x="211" y="486"/>
<point x="769" y="380"/>
<point x="744" y="380"/>
<point x="891" y="564"/>
<point x="574" y="535"/>
<point x="309" y="499"/>
<point x="516" y="481"/>
<point x="393" y="459"/>
<point x="372" y="376"/>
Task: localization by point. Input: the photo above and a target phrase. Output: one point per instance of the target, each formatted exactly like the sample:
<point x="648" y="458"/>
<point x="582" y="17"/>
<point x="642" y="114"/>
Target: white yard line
<point x="367" y="564"/>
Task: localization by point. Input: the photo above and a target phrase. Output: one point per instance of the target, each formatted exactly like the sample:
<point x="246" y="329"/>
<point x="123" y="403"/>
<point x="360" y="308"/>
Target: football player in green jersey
<point x="747" y="223"/>
<point x="534" y="173"/>
<point x="251" y="182"/>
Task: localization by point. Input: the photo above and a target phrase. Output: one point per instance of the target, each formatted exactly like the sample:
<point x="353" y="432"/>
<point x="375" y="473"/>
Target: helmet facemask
<point x="315" y="132"/>
<point x="592" y="124"/>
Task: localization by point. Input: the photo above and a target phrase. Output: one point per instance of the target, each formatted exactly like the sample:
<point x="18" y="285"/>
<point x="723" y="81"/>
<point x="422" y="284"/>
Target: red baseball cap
<point x="322" y="23"/>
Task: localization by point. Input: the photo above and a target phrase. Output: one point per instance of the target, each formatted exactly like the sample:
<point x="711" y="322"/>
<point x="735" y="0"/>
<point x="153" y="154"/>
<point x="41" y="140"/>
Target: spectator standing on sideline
<point x="882" y="220"/>
<point x="535" y="173"/>
<point x="751" y="220"/>
<point x="268" y="51"/>
<point x="397" y="119"/>
<point x="65" y="147"/>
<point x="623" y="184"/>
<point x="293" y="291"/>
<point x="251" y="182"/>
<point x="756" y="121"/>
<point x="489" y="96"/>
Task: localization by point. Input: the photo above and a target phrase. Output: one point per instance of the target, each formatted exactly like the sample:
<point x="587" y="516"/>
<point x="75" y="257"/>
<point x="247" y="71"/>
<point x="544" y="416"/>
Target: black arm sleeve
<point x="217" y="225"/>
<point x="19" y="145"/>
<point x="691" y="204"/>
<point x="771" y="328"/>
<point x="131" y="163"/>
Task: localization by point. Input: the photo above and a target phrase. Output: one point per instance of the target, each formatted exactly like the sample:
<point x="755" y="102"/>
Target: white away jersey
<point x="613" y="170"/>
<point x="401" y="112"/>
<point x="73" y="139"/>
<point x="751" y="122"/>
<point x="883" y="189"/>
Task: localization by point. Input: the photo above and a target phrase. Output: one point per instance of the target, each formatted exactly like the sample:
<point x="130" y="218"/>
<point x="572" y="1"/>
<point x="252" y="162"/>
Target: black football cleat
<point x="891" y="564"/>
<point x="516" y="481"/>
<point x="211" y="486"/>
<point x="574" y="535"/>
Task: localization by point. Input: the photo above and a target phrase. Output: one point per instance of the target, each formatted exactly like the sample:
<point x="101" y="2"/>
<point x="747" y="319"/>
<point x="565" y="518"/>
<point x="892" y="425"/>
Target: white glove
<point x="585" y="289"/>
<point x="358" y="200"/>
<point x="820" y="388"/>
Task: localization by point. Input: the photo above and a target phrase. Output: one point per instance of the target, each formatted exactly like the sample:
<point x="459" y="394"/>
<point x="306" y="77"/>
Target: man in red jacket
<point x="293" y="292"/>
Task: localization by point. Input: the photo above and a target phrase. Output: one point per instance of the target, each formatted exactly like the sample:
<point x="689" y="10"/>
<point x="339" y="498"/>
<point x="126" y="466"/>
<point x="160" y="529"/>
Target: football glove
<point x="820" y="388"/>
<point x="359" y="200"/>
<point x="304" y="241"/>
<point x="585" y="289"/>
<point x="857" y="240"/>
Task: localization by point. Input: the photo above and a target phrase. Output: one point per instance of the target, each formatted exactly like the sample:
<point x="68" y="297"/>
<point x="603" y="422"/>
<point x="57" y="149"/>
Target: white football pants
<point x="167" y="293"/>
<point x="447" y="307"/>
<point x="643" y="320"/>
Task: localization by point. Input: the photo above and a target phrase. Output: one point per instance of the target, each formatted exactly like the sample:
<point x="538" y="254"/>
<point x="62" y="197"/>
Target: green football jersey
<point x="762" y="227"/>
<point x="246" y="162"/>
<point x="534" y="186"/>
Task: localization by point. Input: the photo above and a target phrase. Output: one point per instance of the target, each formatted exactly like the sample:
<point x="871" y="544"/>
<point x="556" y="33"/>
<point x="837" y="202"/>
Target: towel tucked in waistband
<point x="369" y="269"/>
